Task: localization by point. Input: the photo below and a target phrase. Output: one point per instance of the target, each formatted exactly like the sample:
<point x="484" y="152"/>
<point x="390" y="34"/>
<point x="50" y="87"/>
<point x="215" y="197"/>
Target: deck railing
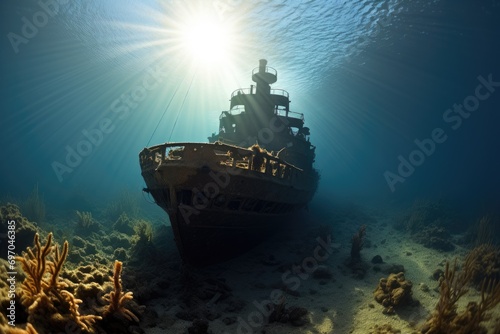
<point x="274" y="91"/>
<point x="218" y="155"/>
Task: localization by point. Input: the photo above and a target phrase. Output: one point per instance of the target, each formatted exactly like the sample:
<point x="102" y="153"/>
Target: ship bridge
<point x="259" y="107"/>
<point x="262" y="115"/>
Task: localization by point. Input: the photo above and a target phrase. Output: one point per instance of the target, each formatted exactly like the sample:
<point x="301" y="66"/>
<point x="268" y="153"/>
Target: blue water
<point x="371" y="77"/>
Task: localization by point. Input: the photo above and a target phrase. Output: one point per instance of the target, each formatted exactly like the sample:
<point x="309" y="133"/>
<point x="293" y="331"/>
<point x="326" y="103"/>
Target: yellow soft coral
<point x="43" y="293"/>
<point x="14" y="330"/>
<point x="38" y="268"/>
<point x="118" y="298"/>
<point x="454" y="284"/>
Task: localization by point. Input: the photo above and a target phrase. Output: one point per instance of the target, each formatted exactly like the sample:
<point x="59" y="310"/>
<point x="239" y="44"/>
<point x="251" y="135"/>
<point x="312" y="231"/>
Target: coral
<point x="50" y="306"/>
<point x="85" y="223"/>
<point x="143" y="250"/>
<point x="86" y="274"/>
<point x="15" y="330"/>
<point x="427" y="222"/>
<point x="424" y="213"/>
<point x="357" y="242"/>
<point x="25" y="230"/>
<point x="446" y="318"/>
<point x="36" y="267"/>
<point x="118" y="299"/>
<point x="393" y="291"/>
<point x="435" y="237"/>
<point x="357" y="266"/>
<point x="34" y="207"/>
<point x="117" y="239"/>
<point x="123" y="224"/>
<point x="143" y="232"/>
<point x="484" y="231"/>
<point x="485" y="264"/>
<point x="85" y="219"/>
<point x="126" y="203"/>
<point x="280" y="313"/>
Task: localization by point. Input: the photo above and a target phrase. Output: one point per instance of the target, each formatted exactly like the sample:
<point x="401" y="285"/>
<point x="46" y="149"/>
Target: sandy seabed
<point x="338" y="301"/>
<point x="302" y="271"/>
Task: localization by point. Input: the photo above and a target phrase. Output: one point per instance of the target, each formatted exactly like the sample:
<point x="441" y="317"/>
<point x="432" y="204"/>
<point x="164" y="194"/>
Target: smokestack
<point x="262" y="65"/>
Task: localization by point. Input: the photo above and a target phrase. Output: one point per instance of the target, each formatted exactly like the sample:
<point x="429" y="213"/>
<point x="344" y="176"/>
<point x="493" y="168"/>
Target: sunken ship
<point x="253" y="175"/>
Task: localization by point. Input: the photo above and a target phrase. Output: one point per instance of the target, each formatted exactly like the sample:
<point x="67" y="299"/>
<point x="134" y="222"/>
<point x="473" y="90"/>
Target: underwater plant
<point x="354" y="262"/>
<point x="143" y="232"/>
<point x="428" y="223"/>
<point x="297" y="316"/>
<point x="118" y="299"/>
<point x="15" y="330"/>
<point x="425" y="213"/>
<point x="143" y="250"/>
<point x="123" y="224"/>
<point x="485" y="264"/>
<point x="86" y="224"/>
<point x="126" y="203"/>
<point x="357" y="243"/>
<point x="49" y="304"/>
<point x="435" y="237"/>
<point x="485" y="231"/>
<point x="453" y="285"/>
<point x="34" y="206"/>
<point x="85" y="219"/>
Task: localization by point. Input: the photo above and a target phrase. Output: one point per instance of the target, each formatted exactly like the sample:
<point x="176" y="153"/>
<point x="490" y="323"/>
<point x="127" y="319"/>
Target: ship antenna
<point x="182" y="105"/>
<point x="165" y="111"/>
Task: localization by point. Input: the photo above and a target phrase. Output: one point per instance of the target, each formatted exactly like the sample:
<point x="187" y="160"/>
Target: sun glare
<point x="207" y="40"/>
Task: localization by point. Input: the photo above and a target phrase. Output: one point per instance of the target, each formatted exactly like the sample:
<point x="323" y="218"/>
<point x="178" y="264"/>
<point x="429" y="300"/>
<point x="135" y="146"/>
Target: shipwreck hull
<point x="204" y="244"/>
<point x="221" y="200"/>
